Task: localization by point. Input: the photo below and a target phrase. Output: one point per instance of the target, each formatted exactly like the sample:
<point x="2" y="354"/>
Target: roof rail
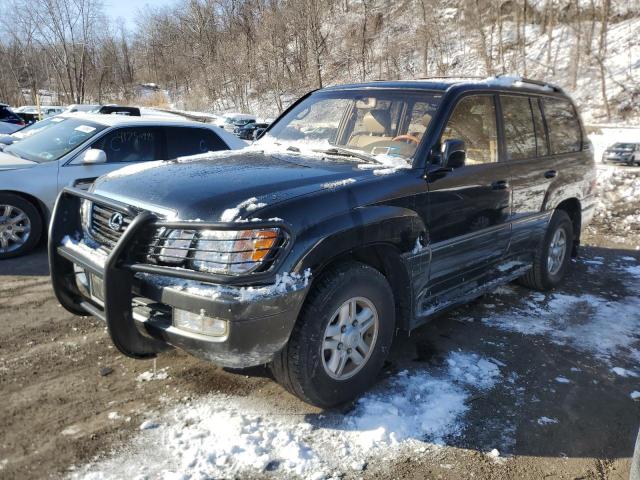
<point x="452" y="77"/>
<point x="538" y="83"/>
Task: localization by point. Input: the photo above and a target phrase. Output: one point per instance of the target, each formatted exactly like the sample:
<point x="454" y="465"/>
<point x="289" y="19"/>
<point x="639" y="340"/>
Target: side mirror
<point x="453" y="153"/>
<point x="94" y="156"/>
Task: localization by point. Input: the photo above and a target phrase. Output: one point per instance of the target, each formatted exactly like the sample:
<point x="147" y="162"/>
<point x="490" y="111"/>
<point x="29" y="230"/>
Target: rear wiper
<point x="345" y="152"/>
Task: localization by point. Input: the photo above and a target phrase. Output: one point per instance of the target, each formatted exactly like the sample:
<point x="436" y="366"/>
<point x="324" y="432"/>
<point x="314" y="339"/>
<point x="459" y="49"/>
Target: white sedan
<point x="78" y="149"/>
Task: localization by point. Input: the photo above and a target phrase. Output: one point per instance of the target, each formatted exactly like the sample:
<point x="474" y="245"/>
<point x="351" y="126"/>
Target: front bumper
<point x="137" y="306"/>
<point x="618" y="159"/>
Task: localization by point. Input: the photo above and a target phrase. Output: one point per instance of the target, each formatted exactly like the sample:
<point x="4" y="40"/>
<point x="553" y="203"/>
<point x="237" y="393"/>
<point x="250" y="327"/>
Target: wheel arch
<point x="573" y="208"/>
<point x="35" y="201"/>
<point x="385" y="258"/>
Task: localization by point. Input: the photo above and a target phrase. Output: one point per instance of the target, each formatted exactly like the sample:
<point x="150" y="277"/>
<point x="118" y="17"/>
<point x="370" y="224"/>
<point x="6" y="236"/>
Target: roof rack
<point x="538" y="83"/>
<point x="451" y="77"/>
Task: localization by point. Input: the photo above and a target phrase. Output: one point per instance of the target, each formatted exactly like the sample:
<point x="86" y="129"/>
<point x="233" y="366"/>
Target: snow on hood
<point x="230" y="185"/>
<point x="10" y="162"/>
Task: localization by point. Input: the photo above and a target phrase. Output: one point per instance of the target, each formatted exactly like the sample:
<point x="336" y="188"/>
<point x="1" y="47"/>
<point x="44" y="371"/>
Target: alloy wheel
<point x="349" y="338"/>
<point x="557" y="251"/>
<point x="15" y="228"/>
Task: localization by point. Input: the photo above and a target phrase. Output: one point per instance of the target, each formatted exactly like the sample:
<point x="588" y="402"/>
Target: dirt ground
<point x="60" y="377"/>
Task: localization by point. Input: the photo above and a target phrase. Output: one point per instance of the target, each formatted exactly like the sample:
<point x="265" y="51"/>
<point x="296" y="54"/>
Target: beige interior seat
<point x="374" y="128"/>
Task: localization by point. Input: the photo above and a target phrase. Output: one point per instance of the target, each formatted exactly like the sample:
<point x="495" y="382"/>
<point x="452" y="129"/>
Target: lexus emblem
<point x="116" y="221"/>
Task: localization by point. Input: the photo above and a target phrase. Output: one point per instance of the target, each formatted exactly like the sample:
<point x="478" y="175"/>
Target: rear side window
<point x="134" y="144"/>
<point x="541" y="134"/>
<point x="519" y="131"/>
<point x="182" y="141"/>
<point x="563" y="126"/>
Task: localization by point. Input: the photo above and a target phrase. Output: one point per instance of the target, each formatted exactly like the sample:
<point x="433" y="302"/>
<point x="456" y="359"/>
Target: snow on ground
<point x="223" y="436"/>
<point x="597" y="334"/>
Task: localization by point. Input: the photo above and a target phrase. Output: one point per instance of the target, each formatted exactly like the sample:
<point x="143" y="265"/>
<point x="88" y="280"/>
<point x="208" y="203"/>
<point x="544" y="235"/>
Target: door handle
<point x="550" y="174"/>
<point x="500" y="185"/>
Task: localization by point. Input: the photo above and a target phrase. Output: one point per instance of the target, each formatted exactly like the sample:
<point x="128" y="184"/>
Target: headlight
<point x="85" y="216"/>
<point x="176" y="246"/>
<point x="234" y="251"/>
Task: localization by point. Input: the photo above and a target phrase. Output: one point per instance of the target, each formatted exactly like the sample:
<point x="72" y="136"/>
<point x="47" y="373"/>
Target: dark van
<point x="362" y="210"/>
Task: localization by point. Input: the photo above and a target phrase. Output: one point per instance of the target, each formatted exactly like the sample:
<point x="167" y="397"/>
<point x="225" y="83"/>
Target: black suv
<point x="363" y="209"/>
<point x="627" y="153"/>
<point x="8" y="116"/>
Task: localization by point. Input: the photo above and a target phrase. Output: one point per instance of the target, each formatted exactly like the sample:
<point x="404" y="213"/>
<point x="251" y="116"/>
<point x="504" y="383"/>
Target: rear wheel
<point x="20" y="226"/>
<point x="551" y="259"/>
<point x="341" y="339"/>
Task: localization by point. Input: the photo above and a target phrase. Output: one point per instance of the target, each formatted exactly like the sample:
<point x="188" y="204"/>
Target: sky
<point x="127" y="9"/>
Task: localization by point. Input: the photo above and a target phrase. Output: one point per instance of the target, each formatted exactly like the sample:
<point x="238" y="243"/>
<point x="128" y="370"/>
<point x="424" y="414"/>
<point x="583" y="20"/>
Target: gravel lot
<point x="561" y="406"/>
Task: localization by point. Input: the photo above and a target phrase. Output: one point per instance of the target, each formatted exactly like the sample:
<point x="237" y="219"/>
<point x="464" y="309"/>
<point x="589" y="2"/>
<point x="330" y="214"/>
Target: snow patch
<point x="247" y="206"/>
<point x="86" y="250"/>
<point x="338" y="183"/>
<point x="594" y="332"/>
<point x="285" y="282"/>
<point x="623" y="372"/>
<point x="547" y="421"/>
<point x="150" y="375"/>
<point x="222" y="436"/>
<point x="134" y="168"/>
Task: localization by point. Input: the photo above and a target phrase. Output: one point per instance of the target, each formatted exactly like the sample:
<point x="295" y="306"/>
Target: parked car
<point x="229" y="121"/>
<point x="627" y="153"/>
<point x="76" y="149"/>
<point x="8" y="116"/>
<point x="364" y="209"/>
<point x="31" y="113"/>
<point x="248" y="130"/>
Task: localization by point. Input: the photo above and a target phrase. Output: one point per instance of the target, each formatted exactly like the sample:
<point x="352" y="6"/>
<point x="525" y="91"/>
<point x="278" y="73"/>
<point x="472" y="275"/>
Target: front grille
<point x="102" y="229"/>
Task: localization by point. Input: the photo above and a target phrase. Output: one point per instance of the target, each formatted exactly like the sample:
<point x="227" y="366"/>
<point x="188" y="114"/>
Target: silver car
<point x="76" y="150"/>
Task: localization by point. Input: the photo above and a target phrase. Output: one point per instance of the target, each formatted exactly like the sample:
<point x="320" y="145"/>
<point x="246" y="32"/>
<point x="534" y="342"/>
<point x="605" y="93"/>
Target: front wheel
<point x="20" y="226"/>
<point x="551" y="259"/>
<point x="341" y="339"/>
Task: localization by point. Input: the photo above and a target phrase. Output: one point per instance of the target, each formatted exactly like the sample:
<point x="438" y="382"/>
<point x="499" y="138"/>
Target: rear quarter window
<point x="519" y="130"/>
<point x="184" y="141"/>
<point x="565" y="135"/>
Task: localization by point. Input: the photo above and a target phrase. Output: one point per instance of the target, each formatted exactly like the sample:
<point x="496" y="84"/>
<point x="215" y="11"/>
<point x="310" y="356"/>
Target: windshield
<point x="37" y="127"/>
<point x="377" y="123"/>
<point x="55" y="141"/>
<point x="624" y="146"/>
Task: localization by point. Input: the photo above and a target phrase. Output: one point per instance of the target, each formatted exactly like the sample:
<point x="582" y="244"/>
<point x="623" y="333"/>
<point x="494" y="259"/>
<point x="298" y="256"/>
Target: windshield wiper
<point x="345" y="152"/>
<point x="11" y="152"/>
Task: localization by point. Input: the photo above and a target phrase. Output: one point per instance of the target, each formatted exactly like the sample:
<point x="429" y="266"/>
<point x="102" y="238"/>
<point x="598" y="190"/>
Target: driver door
<point x="123" y="146"/>
<point x="466" y="209"/>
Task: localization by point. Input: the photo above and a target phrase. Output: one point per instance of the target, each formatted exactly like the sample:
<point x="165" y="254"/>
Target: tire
<point x="540" y="277"/>
<point x="23" y="222"/>
<point x="302" y="367"/>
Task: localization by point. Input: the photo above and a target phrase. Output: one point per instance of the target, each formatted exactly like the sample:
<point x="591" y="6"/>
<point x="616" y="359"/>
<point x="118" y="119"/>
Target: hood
<point x="206" y="187"/>
<point x="10" y="162"/>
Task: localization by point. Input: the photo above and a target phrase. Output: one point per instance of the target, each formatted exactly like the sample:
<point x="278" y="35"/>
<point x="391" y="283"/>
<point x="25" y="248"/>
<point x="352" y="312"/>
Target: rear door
<point x="539" y="150"/>
<point x="526" y="148"/>
<point x="468" y="208"/>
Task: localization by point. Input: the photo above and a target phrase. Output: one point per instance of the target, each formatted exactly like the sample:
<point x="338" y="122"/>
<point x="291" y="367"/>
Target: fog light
<point x="82" y="281"/>
<point x="199" y="323"/>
